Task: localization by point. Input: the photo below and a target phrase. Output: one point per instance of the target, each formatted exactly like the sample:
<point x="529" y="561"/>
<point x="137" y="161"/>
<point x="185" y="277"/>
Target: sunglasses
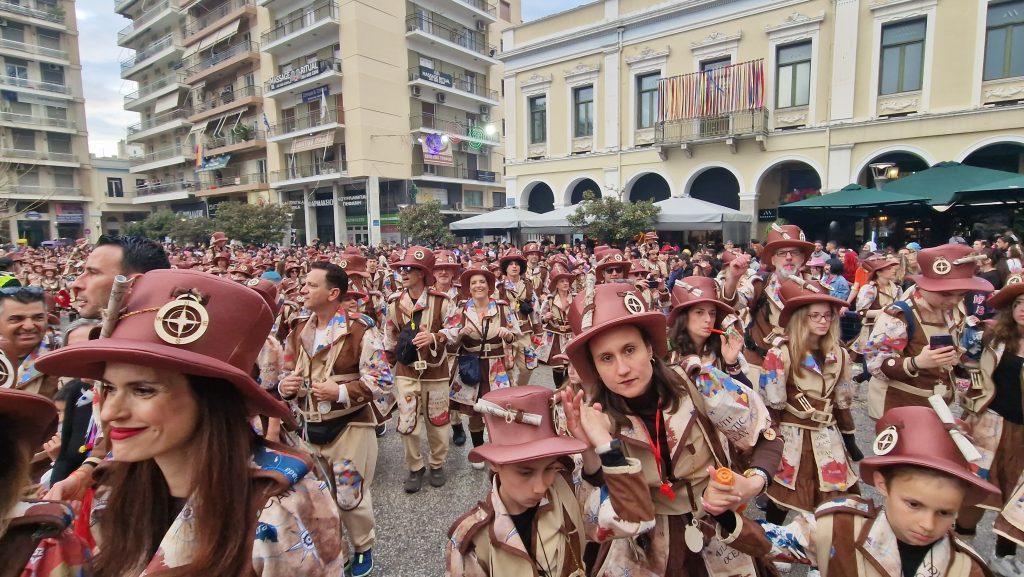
<point x="614" y="270"/>
<point x="17" y="290"/>
<point x="406" y="269"/>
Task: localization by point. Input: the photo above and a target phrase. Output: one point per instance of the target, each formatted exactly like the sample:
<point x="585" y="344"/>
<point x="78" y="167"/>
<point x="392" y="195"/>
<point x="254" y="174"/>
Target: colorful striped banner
<point x="734" y="88"/>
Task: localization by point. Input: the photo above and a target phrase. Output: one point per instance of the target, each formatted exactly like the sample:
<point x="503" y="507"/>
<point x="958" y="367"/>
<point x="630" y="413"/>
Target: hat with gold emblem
<point x="949" y="267"/>
<point x="420" y="258"/>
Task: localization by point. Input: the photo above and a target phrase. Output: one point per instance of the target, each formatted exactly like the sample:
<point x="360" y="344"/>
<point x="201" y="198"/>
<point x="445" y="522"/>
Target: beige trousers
<point x="437" y="437"/>
<point x="358" y="444"/>
<point x="520" y="374"/>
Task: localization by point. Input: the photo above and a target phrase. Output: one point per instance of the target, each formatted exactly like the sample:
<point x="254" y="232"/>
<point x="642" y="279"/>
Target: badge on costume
<point x="694" y="537"/>
<point x="182" y="321"/>
<point x="886" y="441"/>
<point x="941" y="266"/>
<point x="633" y="303"/>
<point x="7" y="372"/>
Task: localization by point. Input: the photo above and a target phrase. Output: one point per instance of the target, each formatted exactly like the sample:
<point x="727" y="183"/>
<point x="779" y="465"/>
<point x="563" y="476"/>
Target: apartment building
<point x="43" y="139"/>
<point x="753" y="103"/>
<point x="114" y="191"/>
<point x="373" y="107"/>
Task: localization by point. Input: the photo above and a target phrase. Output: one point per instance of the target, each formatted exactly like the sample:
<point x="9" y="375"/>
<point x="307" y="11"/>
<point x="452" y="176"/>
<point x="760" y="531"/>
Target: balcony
<point x="154" y="53"/>
<point x="152" y="126"/>
<point x="30" y="9"/>
<point x="233" y="184"/>
<point x="466" y="93"/>
<point x="457" y="43"/>
<point x="240" y="139"/>
<point x="162" y="86"/>
<point x="308" y="173"/>
<point x="197" y="28"/>
<point x="226" y="100"/>
<point x="475" y="133"/>
<point x="296" y="80"/>
<point x="34" y="49"/>
<point x="457" y="174"/>
<point x="744" y="123"/>
<point x="162" y="192"/>
<point x="49" y="87"/>
<point x="34" y="121"/>
<point x="121" y="5"/>
<point x="219" y="61"/>
<point x="59" y="158"/>
<point x="293" y="126"/>
<point x="169" y="156"/>
<point x="307" y="30"/>
<point x="53" y="193"/>
<point x="151" y="18"/>
<point x="468" y="10"/>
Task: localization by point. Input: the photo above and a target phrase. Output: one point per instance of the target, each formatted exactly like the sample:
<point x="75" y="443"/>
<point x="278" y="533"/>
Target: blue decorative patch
<point x="291" y="467"/>
<point x="266" y="532"/>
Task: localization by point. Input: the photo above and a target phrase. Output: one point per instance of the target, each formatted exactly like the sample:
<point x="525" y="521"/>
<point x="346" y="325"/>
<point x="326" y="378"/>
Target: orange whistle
<point x="726" y="476"/>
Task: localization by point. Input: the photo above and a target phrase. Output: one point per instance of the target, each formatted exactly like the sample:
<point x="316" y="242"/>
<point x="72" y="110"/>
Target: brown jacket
<point x="436" y="307"/>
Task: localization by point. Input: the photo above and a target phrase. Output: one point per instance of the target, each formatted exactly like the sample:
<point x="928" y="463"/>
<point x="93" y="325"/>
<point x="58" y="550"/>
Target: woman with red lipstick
<point x="190" y="488"/>
<point x="677" y="422"/>
<point x="805" y="380"/>
<point x="702" y="324"/>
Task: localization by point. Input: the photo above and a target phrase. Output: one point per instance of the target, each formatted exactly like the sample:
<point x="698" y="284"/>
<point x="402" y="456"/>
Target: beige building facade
<point x="750" y="103"/>
<point x="114" y="189"/>
<point x="44" y="155"/>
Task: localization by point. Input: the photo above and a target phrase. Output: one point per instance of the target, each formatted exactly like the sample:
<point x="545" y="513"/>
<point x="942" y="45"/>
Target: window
<point x="16" y="68"/>
<point x="58" y="143"/>
<point x="24" y="139"/>
<point x="793" y="75"/>
<point x="473" y="197"/>
<point x="1004" y="41"/>
<point x="902" y="57"/>
<point x="538" y="119"/>
<point x="14" y="32"/>
<point x="583" y="111"/>
<point x="647" y="99"/>
<point x="64" y="177"/>
<point x="48" y="38"/>
<point x="52" y="73"/>
<point x="497" y="199"/>
<point x="505" y="12"/>
<point x="115" y="188"/>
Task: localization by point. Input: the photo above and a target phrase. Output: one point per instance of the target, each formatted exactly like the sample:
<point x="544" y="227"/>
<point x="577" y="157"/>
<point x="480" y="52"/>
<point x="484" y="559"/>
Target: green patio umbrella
<point x="941" y="183"/>
<point x="855" y="196"/>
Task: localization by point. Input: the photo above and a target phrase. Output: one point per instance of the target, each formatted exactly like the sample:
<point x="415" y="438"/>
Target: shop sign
<point x="389" y="218"/>
<point x="355" y="221"/>
<point x="33" y="215"/>
<point x="313" y="94"/>
<point x="296" y="204"/>
<point x="320" y="202"/>
<point x="436" y="76"/>
<point x="309" y="70"/>
<point x="767" y="215"/>
<point x="354" y="200"/>
<point x="69" y="213"/>
<point x="486" y="175"/>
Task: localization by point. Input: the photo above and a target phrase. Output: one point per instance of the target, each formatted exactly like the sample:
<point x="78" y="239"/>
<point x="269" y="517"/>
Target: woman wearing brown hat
<point x="879" y="293"/>
<point x="189" y="486"/>
<point x="554" y="313"/>
<point x="532" y="522"/>
<point x="995" y="411"/>
<point x="805" y="380"/>
<point x="482" y="338"/>
<point x="522" y="296"/>
<point x="657" y="414"/>
<point x="702" y="324"/>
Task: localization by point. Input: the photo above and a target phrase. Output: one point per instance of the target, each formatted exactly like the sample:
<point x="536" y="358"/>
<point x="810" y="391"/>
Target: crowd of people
<point x="216" y="410"/>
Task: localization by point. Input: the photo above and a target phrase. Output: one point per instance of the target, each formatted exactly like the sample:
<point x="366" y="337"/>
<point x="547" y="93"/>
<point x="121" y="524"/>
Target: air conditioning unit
<point x="440" y="97"/>
<point x="464" y="147"/>
<point x="415" y="90"/>
<point x="3" y="22"/>
<point x="458" y="206"/>
<point x="481" y="26"/>
<point x="485" y="109"/>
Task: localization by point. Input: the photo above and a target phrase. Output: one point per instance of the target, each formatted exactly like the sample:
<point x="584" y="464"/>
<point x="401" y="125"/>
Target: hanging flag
<point x="266" y="123"/>
<point x="323" y="106"/>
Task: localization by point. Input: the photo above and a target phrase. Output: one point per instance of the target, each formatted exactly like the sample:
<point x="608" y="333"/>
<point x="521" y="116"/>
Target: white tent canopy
<point x="504" y="219"/>
<point x="555" y="221"/>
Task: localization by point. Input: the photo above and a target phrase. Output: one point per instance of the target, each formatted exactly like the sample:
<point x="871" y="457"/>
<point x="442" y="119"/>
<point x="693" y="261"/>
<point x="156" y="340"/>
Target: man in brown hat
<point x="912" y="351"/>
<point x="24" y="338"/>
<point x="413" y="339"/>
<point x="521" y="294"/>
<point x="536" y="269"/>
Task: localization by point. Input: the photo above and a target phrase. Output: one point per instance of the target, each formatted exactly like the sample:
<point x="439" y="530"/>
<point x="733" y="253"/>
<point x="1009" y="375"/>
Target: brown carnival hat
<point x="796" y="293"/>
<point x="446" y="259"/>
<point x="477" y="268"/>
<point x="877" y="262"/>
<point x="694" y="290"/>
<point x="32" y="417"/>
<point x="785" y="236"/>
<point x="532" y="248"/>
<point x="1013" y="288"/>
<point x="218" y="237"/>
<point x="521" y="427"/>
<point x="354" y="264"/>
<point x="949" y="267"/>
<point x="418" y="257"/>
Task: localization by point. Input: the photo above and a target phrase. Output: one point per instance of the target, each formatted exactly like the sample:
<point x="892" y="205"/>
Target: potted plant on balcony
<point x="242" y="133"/>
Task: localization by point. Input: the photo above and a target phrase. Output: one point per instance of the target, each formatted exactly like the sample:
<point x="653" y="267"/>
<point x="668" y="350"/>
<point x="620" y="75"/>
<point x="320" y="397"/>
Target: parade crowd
<point x="215" y="410"/>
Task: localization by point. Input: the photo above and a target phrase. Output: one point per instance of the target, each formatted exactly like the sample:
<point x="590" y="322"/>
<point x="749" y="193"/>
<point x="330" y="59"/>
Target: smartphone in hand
<point x="940" y="341"/>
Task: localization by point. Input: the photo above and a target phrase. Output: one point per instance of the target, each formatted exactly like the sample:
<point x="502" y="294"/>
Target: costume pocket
<point x="348" y="485"/>
<point x="530" y="355"/>
<point x="408" y="413"/>
<point x="437" y="408"/>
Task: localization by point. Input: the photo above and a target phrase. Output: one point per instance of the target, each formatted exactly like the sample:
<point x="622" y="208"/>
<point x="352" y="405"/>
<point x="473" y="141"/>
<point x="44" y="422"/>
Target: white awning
<point x="313" y="141"/>
<point x="226" y="31"/>
<point x="191" y="50"/>
<point x="166" y="102"/>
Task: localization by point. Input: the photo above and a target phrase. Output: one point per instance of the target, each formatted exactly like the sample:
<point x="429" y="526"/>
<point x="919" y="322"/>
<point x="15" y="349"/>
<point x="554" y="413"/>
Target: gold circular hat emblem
<point x="418" y="255"/>
<point x="252" y="282"/>
<point x="941" y="266"/>
<point x="7" y="372"/>
<point x="886" y="441"/>
<point x="181" y="321"/>
<point x="633" y="304"/>
<point x="1015" y="279"/>
<point x="343" y="264"/>
<point x="617" y="258"/>
<point x="769" y="434"/>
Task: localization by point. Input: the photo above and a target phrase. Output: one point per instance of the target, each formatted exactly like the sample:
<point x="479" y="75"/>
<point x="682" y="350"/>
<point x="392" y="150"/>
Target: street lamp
<point x="884" y="172"/>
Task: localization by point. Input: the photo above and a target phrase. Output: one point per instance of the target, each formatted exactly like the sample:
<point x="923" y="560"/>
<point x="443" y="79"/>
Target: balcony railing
<point x="157" y="120"/>
<point x="240" y="180"/>
<point x="226" y="96"/>
<point x="234" y="137"/>
<point x="153" y="87"/>
<point x="481" y="5"/>
<point x="157" y="187"/>
<point x="33" y="49"/>
<point x="35" y="190"/>
<point x="38" y="154"/>
<point x="309" y="171"/>
<point x="468" y="39"/>
<point x="150" y="50"/>
<point x="218" y="56"/>
<point x="27" y="8"/>
<point x="36" y="120"/>
<point x="321" y="12"/>
<point x="476" y="85"/>
<point x="143" y="19"/>
<point x="454" y="126"/>
<point x="460" y="172"/>
<point x="34" y="84"/>
<point x="197" y="25"/>
<point x="307" y="121"/>
<point x="304" y="72"/>
<point x="163" y="154"/>
<point x="741" y="123"/>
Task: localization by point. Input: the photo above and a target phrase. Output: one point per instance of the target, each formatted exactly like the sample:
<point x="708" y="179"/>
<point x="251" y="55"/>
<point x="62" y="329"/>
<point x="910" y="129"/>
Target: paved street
<point x="411" y="529"/>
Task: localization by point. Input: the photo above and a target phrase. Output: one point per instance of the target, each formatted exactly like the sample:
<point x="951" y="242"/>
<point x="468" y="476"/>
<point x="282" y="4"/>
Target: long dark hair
<point x="666" y="381"/>
<point x="682" y="344"/>
<point x="15" y="456"/>
<point x="1006" y="331"/>
<point x="140" y="508"/>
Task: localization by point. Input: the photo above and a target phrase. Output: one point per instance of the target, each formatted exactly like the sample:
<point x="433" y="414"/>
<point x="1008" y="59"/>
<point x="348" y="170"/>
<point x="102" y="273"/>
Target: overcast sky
<point x="98" y="25"/>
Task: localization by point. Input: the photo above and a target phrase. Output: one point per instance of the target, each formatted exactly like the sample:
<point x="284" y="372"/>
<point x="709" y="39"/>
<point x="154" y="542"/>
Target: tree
<point x="192" y="230"/>
<point x="156" y="226"/>
<point x="253" y="223"/>
<point x="608" y="220"/>
<point x="423" y="224"/>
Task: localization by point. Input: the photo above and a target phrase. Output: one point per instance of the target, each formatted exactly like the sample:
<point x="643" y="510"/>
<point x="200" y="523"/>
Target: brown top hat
<point x="513" y="254"/>
<point x="612" y="258"/>
<point x="32" y="417"/>
<point x="287" y="286"/>
<point x="916" y="436"/>
<point x="694" y="290"/>
<point x="531" y="248"/>
<point x="291" y="265"/>
<point x="446" y="259"/>
<point x="558" y="275"/>
<point x="796" y="292"/>
<point x="185" y="321"/>
<point x="521" y="428"/>
<point x="949" y="267"/>
<point x="222" y="256"/>
<point x="218" y="237"/>
<point x="784" y="236"/>
<point x="651" y="236"/>
<point x="1013" y="288"/>
<point x="354" y="264"/>
<point x="476" y="269"/>
<point x="636" y="268"/>
<point x="244" y="269"/>
<point x="267" y="290"/>
<point x="613" y="305"/>
<point x="601" y="250"/>
<point x="418" y="257"/>
<point x="877" y="262"/>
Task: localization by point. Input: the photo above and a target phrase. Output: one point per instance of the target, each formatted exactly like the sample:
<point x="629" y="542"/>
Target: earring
<point x="652" y="360"/>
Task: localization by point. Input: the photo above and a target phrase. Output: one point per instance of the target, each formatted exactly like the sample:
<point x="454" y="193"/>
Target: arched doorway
<point x="1008" y="156"/>
<point x="786" y="182"/>
<point x="651" y="187"/>
<point x="717" y="185"/>
<point x="541" y="198"/>
<point x="908" y="163"/>
<point x="582" y="187"/>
